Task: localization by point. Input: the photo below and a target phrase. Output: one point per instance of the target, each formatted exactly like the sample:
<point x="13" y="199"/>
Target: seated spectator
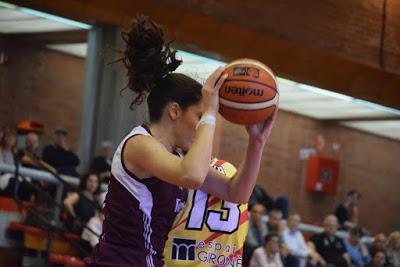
<point x="60" y="156"/>
<point x="393" y="249"/>
<point x="268" y="255"/>
<point x="102" y="163"/>
<point x="287" y="259"/>
<point x="347" y="212"/>
<point x="7" y="147"/>
<point x="378" y="243"/>
<point x="83" y="205"/>
<point x="7" y="152"/>
<point x="330" y="247"/>
<point x="260" y="196"/>
<point x="257" y="228"/>
<point x="274" y="223"/>
<point x="256" y="233"/>
<point x="93" y="229"/>
<point x="378" y="258"/>
<point x="294" y="240"/>
<point x="30" y="155"/>
<point x="357" y="251"/>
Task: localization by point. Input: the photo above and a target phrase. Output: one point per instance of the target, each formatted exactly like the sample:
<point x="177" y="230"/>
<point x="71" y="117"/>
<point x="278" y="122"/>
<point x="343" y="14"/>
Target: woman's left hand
<point x="261" y="131"/>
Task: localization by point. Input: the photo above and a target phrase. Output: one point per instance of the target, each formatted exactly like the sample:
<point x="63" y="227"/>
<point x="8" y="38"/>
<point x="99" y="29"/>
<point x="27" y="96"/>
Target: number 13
<point x="199" y="214"/>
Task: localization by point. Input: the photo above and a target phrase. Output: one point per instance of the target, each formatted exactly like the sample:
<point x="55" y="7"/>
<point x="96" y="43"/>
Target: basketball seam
<point x="246" y="102"/>
<point x="274" y="106"/>
<point x="250" y="106"/>
<point x="266" y="85"/>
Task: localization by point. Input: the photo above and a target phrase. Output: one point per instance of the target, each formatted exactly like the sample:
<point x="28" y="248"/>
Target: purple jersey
<point x="138" y="216"/>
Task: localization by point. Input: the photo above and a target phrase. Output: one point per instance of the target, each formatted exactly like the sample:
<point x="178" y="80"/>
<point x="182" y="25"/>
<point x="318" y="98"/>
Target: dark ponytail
<point x="150" y="62"/>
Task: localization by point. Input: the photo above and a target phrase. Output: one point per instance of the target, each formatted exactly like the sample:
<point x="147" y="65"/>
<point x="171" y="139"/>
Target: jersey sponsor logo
<point x="183" y="249"/>
<point x="208" y="252"/>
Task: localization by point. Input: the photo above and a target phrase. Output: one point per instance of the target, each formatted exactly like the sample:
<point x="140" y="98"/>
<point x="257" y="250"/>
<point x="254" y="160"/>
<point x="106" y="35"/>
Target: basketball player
<point x="149" y="175"/>
<point x="209" y="231"/>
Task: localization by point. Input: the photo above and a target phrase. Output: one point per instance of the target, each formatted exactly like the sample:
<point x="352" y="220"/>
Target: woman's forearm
<point x="241" y="186"/>
<point x="196" y="162"/>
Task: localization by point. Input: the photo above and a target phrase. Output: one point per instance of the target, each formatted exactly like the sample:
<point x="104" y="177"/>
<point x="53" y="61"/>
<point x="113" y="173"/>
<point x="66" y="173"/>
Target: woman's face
<point x="186" y="126"/>
<point x="92" y="183"/>
<point x="10" y="140"/>
<point x="379" y="259"/>
<point x="272" y="246"/>
<point x="396" y="243"/>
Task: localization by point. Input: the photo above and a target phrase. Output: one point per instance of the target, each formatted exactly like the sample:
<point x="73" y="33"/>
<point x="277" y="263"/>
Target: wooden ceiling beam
<point x="213" y="37"/>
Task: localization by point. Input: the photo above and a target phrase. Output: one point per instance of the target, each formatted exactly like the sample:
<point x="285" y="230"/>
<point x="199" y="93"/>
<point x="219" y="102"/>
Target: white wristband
<point x="207" y="119"/>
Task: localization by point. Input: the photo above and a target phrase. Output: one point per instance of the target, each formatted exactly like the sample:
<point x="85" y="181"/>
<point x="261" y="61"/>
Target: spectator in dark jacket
<point x="60" y="156"/>
<point x="329" y="246"/>
<point x="347" y="212"/>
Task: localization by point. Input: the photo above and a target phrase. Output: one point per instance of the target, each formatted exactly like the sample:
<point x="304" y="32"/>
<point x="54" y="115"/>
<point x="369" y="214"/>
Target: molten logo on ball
<point x="243" y="91"/>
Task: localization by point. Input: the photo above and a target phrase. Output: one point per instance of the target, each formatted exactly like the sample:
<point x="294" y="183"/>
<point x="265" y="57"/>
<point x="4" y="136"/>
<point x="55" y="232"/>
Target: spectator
<point x="7" y="151"/>
<point x="257" y="228"/>
<point x="347" y="212"/>
<point x="83" y="205"/>
<point x="393" y="249"/>
<point x="295" y="243"/>
<point x="7" y="147"/>
<point x="287" y="259"/>
<point x="30" y="155"/>
<point x="102" y="163"/>
<point x="357" y="251"/>
<point x="95" y="224"/>
<point x="260" y="196"/>
<point x="274" y="223"/>
<point x="330" y="247"/>
<point x="268" y="255"/>
<point x="60" y="156"/>
<point x="256" y="233"/>
<point x="378" y="243"/>
<point x="378" y="258"/>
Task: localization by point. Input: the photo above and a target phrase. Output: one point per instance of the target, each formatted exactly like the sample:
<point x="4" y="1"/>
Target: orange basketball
<point x="249" y="93"/>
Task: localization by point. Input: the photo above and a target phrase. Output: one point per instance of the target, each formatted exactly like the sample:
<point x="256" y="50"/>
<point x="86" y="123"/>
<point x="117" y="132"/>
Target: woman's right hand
<point x="210" y="91"/>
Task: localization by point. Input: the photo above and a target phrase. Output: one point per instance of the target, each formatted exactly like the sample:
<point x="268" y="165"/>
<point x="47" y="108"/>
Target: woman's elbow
<point x="238" y="198"/>
<point x="193" y="181"/>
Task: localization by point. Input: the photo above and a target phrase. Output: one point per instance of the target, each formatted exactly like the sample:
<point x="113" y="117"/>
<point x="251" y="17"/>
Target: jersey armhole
<point x="123" y="161"/>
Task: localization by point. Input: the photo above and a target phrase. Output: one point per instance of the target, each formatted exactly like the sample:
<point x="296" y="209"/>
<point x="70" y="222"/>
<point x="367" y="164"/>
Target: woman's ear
<point x="174" y="111"/>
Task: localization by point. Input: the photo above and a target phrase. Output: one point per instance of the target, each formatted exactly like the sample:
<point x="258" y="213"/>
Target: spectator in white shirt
<point x="268" y="255"/>
<point x="295" y="243"/>
<point x="95" y="224"/>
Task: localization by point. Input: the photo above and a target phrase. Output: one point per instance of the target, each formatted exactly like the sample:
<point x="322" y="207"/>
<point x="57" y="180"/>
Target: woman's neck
<point x="164" y="134"/>
<point x="88" y="194"/>
<point x="271" y="256"/>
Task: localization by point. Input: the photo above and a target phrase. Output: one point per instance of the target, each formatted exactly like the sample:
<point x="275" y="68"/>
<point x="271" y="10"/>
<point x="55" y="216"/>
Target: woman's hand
<point x="261" y="131"/>
<point x="210" y="91"/>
